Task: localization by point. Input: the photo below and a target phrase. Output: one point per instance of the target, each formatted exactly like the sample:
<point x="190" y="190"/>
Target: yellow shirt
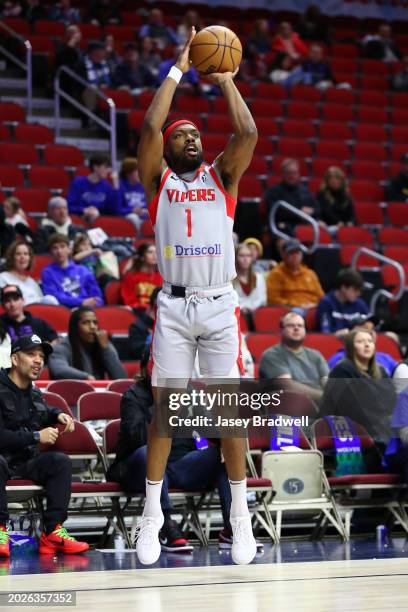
<point x="293" y="288"/>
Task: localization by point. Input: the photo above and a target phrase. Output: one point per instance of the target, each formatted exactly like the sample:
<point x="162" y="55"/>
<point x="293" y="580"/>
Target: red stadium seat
<point x="343" y="50"/>
<point x="337" y="112"/>
<point x="264" y="146"/>
<point x="340" y="96"/>
<point x="319" y="166"/>
<point x="385" y="344"/>
<point x="368" y="214"/>
<point x="266" y="127"/>
<point x="364" y="261"/>
<point x="4" y="132"/>
<point x="40" y="261"/>
<point x="49" y="28"/>
<point x="53" y="400"/>
<point x="304" y="233"/>
<point x="33" y="200"/>
<point x="219" y="124"/>
<point x="267" y="318"/>
<point x="400" y="99"/>
<point x="35" y="134"/>
<point x="374" y="67"/>
<point x="271" y="91"/>
<point x="57" y="316"/>
<point x="116" y="226"/>
<point x="302" y="110"/>
<point x="374" y="82"/>
<point x="70" y="390"/>
<point x="398" y="214"/>
<point x="369" y="97"/>
<point x="342" y="65"/>
<point x="21" y="26"/>
<point x="99" y="405"/>
<point x="399" y="133"/>
<point x="145" y="99"/>
<point x="366" y="191"/>
<point x="276" y="168"/>
<point x="120" y="385"/>
<point x="90" y="31"/>
<point x="11" y="176"/>
<point x="370" y="150"/>
<point x="259" y="166"/>
<point x="49" y="177"/>
<point x="267" y="108"/>
<point x="214" y="142"/>
<point x="368" y="170"/>
<point x="186" y="103"/>
<point x="372" y="133"/>
<point x="332" y="130"/>
<point x="397" y="151"/>
<point x="294" y="147"/>
<point x="371" y="114"/>
<point x="146" y="229"/>
<point x="42" y="44"/>
<point x="249" y="188"/>
<point x="393" y="236"/>
<point x="9" y="111"/>
<point x="123" y="99"/>
<point x="121" y="32"/>
<point x="115" y="319"/>
<point x="132" y="368"/>
<point x="298" y="129"/>
<point x="135" y="119"/>
<point x="355" y="235"/>
<point x="400" y="116"/>
<point x="112" y="293"/>
<point x="259" y="343"/>
<point x="326" y="344"/>
<point x="63" y="155"/>
<point x="333" y="149"/>
<point x="399" y="253"/>
<point x="305" y="93"/>
<point x="21" y="154"/>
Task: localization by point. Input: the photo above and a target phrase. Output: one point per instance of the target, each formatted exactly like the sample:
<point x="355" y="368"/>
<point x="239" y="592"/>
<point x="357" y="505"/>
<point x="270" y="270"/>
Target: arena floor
<point x="318" y="576"/>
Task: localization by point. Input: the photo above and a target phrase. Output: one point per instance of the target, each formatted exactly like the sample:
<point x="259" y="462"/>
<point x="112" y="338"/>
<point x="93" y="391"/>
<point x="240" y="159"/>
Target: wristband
<point x="175" y="74"/>
<point x="36" y="436"/>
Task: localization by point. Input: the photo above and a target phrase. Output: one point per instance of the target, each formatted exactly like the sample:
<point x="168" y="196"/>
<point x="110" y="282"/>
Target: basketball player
<point x="192" y="206"/>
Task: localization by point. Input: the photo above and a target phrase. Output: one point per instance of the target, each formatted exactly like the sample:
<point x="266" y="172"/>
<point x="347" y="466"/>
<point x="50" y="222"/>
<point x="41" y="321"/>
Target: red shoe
<point x="4" y="542"/>
<point x="60" y="541"/>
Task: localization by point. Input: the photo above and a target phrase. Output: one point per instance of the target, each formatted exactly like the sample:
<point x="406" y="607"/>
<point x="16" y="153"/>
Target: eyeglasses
<point x="11" y="298"/>
<point x="293" y="325"/>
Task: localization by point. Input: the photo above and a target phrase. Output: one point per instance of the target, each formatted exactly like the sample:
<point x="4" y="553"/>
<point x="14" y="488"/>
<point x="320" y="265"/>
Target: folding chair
<point x="99" y="405"/>
<point x="71" y="390"/>
<point x="53" y="400"/>
<point x="121" y="385"/>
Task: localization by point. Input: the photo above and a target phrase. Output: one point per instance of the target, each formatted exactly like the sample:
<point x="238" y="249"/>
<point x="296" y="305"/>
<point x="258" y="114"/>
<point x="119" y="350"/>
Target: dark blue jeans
<point x="197" y="470"/>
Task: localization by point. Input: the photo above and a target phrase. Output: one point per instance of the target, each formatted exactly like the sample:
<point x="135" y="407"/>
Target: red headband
<point x="173" y="126"/>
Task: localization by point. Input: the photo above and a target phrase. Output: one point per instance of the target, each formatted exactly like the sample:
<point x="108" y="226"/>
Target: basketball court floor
<point x="327" y="576"/>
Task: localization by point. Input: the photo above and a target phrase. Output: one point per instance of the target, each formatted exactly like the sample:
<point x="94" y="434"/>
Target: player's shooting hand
<point x="218" y="78"/>
<point x="183" y="61"/>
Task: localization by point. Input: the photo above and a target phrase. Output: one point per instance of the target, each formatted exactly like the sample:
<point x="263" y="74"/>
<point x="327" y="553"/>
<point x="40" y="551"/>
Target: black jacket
<point x="29" y="325"/>
<point x="297" y="195"/>
<point x="22" y="411"/>
<point x="138" y="334"/>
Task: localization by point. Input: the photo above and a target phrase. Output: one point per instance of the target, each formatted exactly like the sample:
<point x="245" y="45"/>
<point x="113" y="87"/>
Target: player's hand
<point x="218" y="78"/>
<point x="102" y="338"/>
<point x="68" y="421"/>
<point x="183" y="61"/>
<point x="49" y="435"/>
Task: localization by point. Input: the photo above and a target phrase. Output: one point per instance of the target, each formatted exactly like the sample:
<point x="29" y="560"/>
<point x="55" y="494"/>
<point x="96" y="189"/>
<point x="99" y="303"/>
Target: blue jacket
<point x="71" y="285"/>
<point x="83" y="193"/>
<point x="385" y="360"/>
<point x="131" y="196"/>
<point x="333" y="315"/>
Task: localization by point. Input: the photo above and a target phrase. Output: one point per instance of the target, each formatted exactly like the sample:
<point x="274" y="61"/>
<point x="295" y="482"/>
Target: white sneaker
<point x="243" y="548"/>
<point x="147" y="539"/>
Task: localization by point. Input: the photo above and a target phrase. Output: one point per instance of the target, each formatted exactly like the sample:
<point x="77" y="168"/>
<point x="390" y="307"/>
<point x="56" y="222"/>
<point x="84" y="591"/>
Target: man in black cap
<point x="18" y="322"/>
<point x="26" y="421"/>
<point x="397" y="189"/>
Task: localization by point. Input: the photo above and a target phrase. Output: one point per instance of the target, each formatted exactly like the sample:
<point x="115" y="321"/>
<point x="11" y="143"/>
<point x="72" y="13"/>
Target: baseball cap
<point x="363" y="319"/>
<point x="26" y="343"/>
<point x="257" y="243"/>
<point x="292" y="245"/>
<point x="10" y="290"/>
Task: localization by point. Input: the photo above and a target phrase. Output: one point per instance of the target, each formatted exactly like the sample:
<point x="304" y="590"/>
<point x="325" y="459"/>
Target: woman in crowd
<point x="137" y="284"/>
<point x="336" y="205"/>
<point x="19" y="262"/>
<point x="289" y="42"/>
<point x="86" y="353"/>
<point x="94" y="258"/>
<point x="14" y="213"/>
<point x="249" y="285"/>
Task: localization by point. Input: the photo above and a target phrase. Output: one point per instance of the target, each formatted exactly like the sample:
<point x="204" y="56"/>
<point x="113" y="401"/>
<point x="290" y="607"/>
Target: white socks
<point x="153" y="492"/>
<point x="239" y="505"/>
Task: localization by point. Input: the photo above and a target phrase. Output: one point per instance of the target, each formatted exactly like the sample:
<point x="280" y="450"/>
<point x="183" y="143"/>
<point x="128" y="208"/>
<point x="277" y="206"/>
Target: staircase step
<point x="12" y="83"/>
<point x="66" y="123"/>
<point x="37" y="102"/>
<point x="3" y="65"/>
<point x="85" y="144"/>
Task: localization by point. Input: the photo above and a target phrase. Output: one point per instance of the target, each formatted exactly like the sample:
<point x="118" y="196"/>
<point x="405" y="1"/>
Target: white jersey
<point x="193" y="222"/>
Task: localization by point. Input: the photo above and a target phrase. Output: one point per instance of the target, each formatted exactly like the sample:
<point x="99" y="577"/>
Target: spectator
<point x="156" y="28"/>
<point x="288" y="41"/>
<point x="314" y="70"/>
<point x="35" y="10"/>
<point x="96" y="70"/>
<point x="93" y="195"/>
<point x="69" y="54"/>
<point x="281" y="69"/>
<point x="249" y="285"/>
<point x="111" y="55"/>
<point x="189" y="467"/>
<point x="93" y="259"/>
<point x="86" y="353"/>
<point x="400" y="80"/>
<point x="259" y="40"/>
<point x="148" y="55"/>
<point x="291" y="283"/>
<point x="13" y="211"/>
<point x="133" y="203"/>
<point x="12" y="8"/>
<point x="141" y="330"/>
<point x="7" y="232"/>
<point x="63" y="11"/>
<point x="103" y="12"/>
<point x="396" y="453"/>
<point x="19" y="322"/>
<point x="71" y="284"/>
<point x="19" y="262"/>
<point x="401" y="372"/>
<point x="341" y="307"/>
<point x="291" y="190"/>
<point x="190" y="19"/>
<point x="5" y="347"/>
<point x="290" y="359"/>
<point x="138" y="284"/>
<point x="334" y="199"/>
<point x="312" y="25"/>
<point x="256" y="248"/>
<point x="361" y="394"/>
<point x="131" y="73"/>
<point x="384" y="359"/>
<point x="57" y="221"/>
<point x="397" y="189"/>
<point x="190" y="79"/>
<point x="381" y="46"/>
<point x="26" y="421"/>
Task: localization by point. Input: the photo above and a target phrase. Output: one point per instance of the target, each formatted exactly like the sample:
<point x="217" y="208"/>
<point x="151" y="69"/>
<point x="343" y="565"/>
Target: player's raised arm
<point x="235" y="159"/>
<point x="150" y="149"/>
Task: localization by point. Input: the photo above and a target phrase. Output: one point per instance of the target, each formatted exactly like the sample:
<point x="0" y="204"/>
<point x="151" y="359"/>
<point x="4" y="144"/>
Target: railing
<point x="60" y="93"/>
<point x="302" y="215"/>
<point x="27" y="66"/>
<point x="393" y="297"/>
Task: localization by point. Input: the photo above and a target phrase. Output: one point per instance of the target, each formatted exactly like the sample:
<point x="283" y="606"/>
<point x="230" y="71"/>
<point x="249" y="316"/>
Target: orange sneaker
<point x="4" y="542"/>
<point x="59" y="540"/>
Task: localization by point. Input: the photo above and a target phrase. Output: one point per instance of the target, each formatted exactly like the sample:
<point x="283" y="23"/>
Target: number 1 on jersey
<point x="188" y="213"/>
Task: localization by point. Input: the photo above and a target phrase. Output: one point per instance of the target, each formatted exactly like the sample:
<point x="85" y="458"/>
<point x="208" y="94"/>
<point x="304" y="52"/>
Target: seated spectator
<point x="13" y="211"/>
<point x="111" y="56"/>
<point x="312" y="25"/>
<point x="19" y="262"/>
<point x="133" y="203"/>
<point x="26" y="421"/>
<point x="190" y="79"/>
<point x="7" y="232"/>
<point x="86" y="353"/>
<point x="190" y="19"/>
<point x="149" y="56"/>
<point x="397" y="189"/>
<point x="364" y="393"/>
<point x="400" y="80"/>
<point x="396" y="453"/>
<point x="384" y="359"/>
<point x="11" y="8"/>
<point x="139" y="282"/>
<point x="288" y="41"/>
<point x="249" y="285"/>
<point x="94" y="258"/>
<point x="5" y="347"/>
<point x="190" y="466"/>
<point x="93" y="195"/>
<point x="103" y="12"/>
<point x="256" y="248"/>
<point x="35" y="10"/>
<point x="63" y="11"/>
<point x="281" y="68"/>
<point x="96" y="70"/>
<point x="291" y="283"/>
<point x="156" y="28"/>
<point x="306" y="368"/>
<point x="334" y="199"/>
<point x="57" y="221"/>
<point x="314" y="70"/>
<point x="141" y="330"/>
<point x="131" y="73"/>
<point x="259" y="39"/>
<point x="18" y="322"/>
<point x="381" y="46"/>
<point x="291" y="190"/>
<point x="71" y="284"/>
<point x="341" y="307"/>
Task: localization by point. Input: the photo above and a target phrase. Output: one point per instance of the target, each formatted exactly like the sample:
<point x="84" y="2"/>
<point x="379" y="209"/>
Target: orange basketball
<point x="216" y="49"/>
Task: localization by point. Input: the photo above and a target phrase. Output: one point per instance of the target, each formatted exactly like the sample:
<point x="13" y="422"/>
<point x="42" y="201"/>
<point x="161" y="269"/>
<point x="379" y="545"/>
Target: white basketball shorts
<point x="209" y="326"/>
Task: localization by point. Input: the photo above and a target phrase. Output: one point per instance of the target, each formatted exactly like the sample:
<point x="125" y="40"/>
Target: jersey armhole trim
<point x="153" y="205"/>
<point x="230" y="202"/>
